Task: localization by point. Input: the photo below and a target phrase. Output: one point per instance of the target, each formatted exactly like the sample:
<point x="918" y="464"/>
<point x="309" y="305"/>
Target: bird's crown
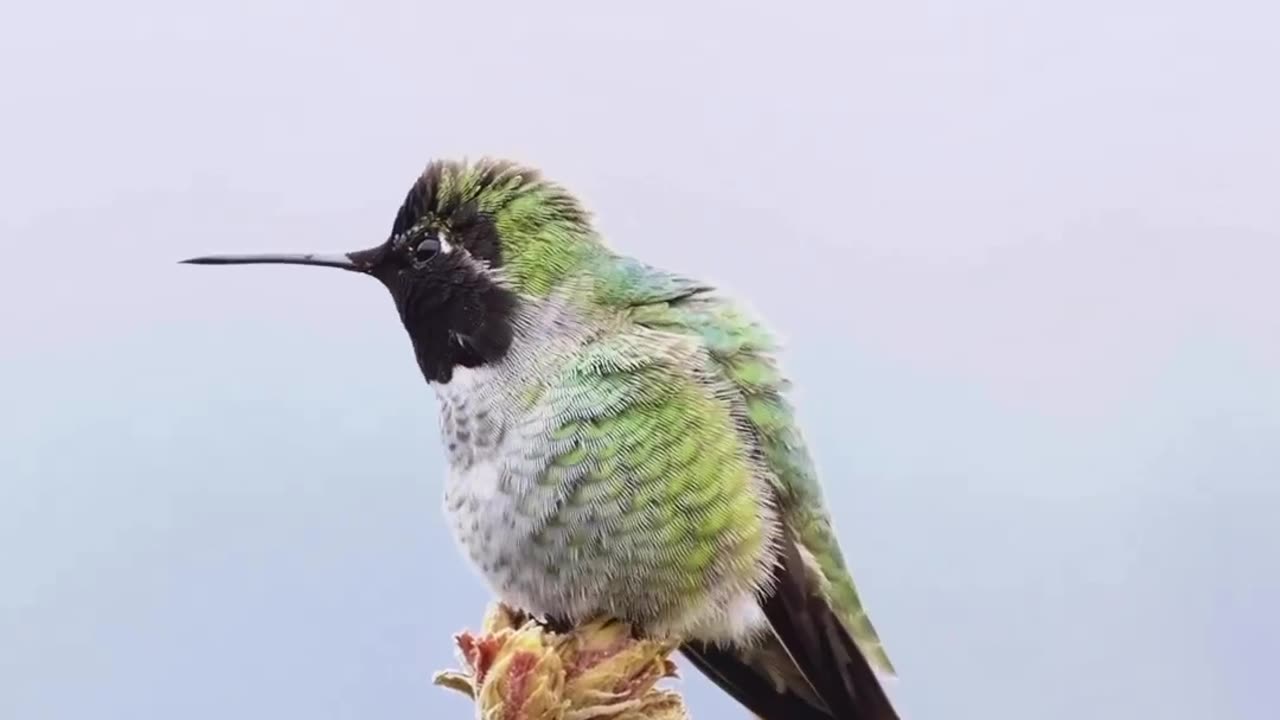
<point x="504" y="214"/>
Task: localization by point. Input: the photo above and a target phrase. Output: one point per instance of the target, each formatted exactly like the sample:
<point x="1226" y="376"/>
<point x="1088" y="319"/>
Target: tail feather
<point x="821" y="646"/>
<point x="747" y="683"/>
<point x="837" y="680"/>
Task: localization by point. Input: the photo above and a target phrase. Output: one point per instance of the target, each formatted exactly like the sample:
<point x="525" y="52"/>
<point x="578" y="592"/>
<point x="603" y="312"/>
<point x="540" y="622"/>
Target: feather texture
<point x="743" y="353"/>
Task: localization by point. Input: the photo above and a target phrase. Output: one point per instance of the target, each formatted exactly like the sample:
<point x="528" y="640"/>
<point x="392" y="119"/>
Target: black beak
<point x="355" y="262"/>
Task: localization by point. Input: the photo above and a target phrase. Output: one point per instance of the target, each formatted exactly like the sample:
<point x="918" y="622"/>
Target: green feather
<point x="687" y="477"/>
<point x="742" y="353"/>
<point x="546" y="232"/>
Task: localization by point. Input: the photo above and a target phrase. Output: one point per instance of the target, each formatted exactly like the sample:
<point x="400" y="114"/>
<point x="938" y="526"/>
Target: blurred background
<point x="1024" y="257"/>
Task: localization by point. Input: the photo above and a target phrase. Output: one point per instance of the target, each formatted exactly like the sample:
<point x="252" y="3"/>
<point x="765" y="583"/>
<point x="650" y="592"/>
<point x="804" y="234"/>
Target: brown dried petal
<point x="518" y="671"/>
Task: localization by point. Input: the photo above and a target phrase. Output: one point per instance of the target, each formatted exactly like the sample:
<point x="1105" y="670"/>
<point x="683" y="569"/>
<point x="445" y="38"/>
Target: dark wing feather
<point x="841" y="684"/>
<point x="821" y="646"/>
<point x="748" y="685"/>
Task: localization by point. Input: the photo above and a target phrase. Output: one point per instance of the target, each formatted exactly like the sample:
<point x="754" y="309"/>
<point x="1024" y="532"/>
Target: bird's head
<point x="470" y="243"/>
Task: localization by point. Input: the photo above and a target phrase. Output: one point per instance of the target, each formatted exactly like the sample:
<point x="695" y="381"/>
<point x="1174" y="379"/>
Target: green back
<point x="744" y="353"/>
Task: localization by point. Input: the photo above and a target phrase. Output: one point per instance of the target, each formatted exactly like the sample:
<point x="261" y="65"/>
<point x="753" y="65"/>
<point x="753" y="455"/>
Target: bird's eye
<point x="426" y="249"/>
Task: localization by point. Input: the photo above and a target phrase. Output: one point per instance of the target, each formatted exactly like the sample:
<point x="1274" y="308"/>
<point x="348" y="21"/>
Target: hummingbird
<point x="620" y="442"/>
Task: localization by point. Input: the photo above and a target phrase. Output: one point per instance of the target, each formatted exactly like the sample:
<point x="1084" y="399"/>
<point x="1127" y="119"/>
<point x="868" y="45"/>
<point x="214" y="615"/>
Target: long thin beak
<point x="355" y="262"/>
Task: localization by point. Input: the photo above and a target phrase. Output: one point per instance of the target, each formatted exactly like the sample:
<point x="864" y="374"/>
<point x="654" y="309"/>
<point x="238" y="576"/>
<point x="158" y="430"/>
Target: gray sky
<point x="1024" y="257"/>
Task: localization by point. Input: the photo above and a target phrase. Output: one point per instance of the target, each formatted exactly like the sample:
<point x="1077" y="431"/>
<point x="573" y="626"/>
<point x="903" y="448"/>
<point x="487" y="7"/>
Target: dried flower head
<point x="518" y="670"/>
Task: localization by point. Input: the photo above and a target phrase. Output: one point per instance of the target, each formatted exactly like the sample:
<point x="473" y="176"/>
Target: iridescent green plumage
<point x="743" y="353"/>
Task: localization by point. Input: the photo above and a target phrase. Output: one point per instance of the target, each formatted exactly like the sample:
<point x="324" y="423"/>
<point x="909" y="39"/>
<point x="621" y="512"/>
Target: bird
<point x="620" y="441"/>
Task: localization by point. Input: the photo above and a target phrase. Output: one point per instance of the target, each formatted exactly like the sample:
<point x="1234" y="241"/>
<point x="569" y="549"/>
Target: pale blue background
<point x="1024" y="256"/>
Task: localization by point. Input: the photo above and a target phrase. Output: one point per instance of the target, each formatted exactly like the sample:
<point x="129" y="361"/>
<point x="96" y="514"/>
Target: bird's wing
<point x="743" y="352"/>
<point x="663" y="477"/>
